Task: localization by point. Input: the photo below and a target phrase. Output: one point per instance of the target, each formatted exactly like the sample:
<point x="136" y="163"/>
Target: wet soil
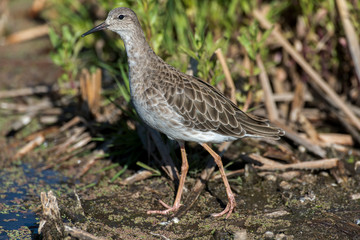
<point x="310" y="206"/>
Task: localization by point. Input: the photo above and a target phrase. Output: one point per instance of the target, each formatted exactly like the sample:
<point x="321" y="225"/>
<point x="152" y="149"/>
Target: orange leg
<point x="184" y="170"/>
<point x="232" y="203"/>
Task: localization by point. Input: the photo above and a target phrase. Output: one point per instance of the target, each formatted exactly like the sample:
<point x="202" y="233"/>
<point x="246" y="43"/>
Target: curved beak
<point x="95" y="29"/>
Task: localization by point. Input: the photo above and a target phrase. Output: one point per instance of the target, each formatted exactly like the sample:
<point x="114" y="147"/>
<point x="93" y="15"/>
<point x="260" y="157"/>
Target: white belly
<point x="165" y="120"/>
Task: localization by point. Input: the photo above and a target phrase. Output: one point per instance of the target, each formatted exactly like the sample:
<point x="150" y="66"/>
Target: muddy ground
<point x="280" y="206"/>
<point x="285" y="205"/>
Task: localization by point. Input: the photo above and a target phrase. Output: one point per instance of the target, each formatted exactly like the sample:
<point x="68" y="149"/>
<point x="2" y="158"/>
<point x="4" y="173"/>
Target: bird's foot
<point x="229" y="208"/>
<point x="168" y="210"/>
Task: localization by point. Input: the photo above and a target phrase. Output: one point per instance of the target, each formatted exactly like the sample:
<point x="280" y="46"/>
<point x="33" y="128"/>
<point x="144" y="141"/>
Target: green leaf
<point x="143" y="165"/>
<point x="247" y="45"/>
<point x="119" y="173"/>
<point x="189" y="52"/>
<point x="67" y="35"/>
<point x="56" y="59"/>
<point x="265" y="35"/>
<point x="54" y="38"/>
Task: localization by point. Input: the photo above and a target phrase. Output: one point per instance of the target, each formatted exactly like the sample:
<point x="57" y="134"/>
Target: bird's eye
<point x="121" y="17"/>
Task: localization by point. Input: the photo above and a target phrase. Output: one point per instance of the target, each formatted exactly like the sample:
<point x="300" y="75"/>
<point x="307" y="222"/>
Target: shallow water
<point x="20" y="188"/>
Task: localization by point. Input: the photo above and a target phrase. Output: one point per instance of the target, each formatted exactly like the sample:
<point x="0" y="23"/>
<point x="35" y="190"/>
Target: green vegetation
<point x="179" y="31"/>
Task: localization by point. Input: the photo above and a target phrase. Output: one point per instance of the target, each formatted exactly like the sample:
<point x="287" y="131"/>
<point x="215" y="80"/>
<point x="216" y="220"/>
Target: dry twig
<point x="310" y="146"/>
<point x="336" y="100"/>
<point x="289" y="96"/>
<point x="96" y="155"/>
<point x="138" y="176"/>
<point x="70" y="123"/>
<point x="28" y="34"/>
<point x="36" y="7"/>
<point x="298" y="100"/>
<point x="351" y="35"/>
<point x="308" y="128"/>
<point x="41" y="89"/>
<point x="271" y="165"/>
<point x="336" y="138"/>
<point x="42" y="132"/>
<point x="4" y="17"/>
<point x="72" y="139"/>
<point x="21" y="108"/>
<point x="30" y="146"/>
<point x="268" y="95"/>
<point x="279" y="85"/>
<point x="27" y="91"/>
<point x="229" y="83"/>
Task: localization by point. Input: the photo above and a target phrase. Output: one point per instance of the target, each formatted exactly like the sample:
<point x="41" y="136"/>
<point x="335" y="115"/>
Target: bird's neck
<point x="138" y="51"/>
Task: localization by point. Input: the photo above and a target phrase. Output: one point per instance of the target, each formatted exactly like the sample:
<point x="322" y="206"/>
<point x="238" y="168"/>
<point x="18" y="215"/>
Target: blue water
<point x="16" y="198"/>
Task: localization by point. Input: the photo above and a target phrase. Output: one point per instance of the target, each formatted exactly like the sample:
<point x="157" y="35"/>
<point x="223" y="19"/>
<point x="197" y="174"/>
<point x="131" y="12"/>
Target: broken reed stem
<point x="336" y="100"/>
<point x="90" y="88"/>
<point x="51" y="225"/>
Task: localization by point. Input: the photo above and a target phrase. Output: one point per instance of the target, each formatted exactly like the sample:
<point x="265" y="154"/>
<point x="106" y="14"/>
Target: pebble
<point x="357" y="167"/>
<point x="287" y="176"/>
<point x="355" y="196"/>
<point x="269" y="235"/>
<point x="285" y="185"/>
<point x="241" y="235"/>
<point x="270" y="177"/>
<point x="279" y="213"/>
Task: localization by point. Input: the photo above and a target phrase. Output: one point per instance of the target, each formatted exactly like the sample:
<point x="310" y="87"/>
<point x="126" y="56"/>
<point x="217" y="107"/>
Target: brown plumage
<point x="183" y="107"/>
<point x="205" y="108"/>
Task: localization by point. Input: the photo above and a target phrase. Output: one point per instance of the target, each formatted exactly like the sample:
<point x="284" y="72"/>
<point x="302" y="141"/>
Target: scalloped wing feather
<point x="205" y="108"/>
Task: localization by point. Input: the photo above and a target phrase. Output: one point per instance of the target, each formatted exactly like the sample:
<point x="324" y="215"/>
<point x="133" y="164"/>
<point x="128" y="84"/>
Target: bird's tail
<point x="259" y="127"/>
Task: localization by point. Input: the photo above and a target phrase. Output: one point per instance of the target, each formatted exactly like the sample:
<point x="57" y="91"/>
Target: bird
<point x="183" y="107"/>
